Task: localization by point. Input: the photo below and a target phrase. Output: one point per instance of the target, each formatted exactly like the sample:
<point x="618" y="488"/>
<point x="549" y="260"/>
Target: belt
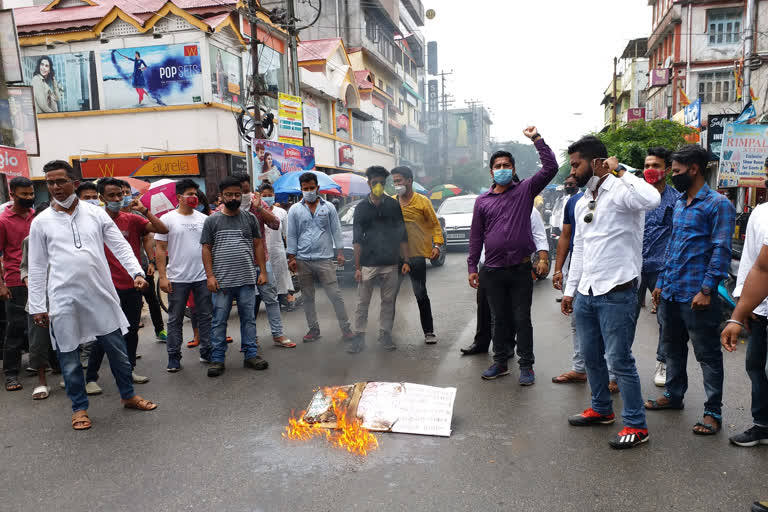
<point x="623" y="287"/>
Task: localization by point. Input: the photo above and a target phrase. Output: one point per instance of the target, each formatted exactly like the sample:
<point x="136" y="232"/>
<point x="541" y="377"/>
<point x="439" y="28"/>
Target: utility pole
<point x="253" y="8"/>
<point x="293" y="47"/>
<point x="749" y="44"/>
<point x="444" y="144"/>
<point x="613" y="116"/>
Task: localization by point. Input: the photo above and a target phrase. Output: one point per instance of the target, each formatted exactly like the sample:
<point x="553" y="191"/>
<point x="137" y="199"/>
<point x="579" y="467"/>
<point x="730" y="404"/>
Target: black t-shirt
<point x="379" y="230"/>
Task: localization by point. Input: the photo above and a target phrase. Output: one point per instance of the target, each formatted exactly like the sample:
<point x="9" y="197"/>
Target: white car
<point x="457" y="212"/>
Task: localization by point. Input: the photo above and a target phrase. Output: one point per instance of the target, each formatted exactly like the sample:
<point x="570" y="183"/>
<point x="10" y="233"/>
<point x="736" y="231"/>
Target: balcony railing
<point x="416" y="10"/>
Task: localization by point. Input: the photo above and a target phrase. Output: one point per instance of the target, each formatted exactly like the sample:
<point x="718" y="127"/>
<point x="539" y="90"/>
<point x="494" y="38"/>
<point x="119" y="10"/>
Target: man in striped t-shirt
<point x="230" y="239"/>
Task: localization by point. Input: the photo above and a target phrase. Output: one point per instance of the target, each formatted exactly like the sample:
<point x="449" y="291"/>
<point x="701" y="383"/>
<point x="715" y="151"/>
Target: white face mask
<point x="592" y="183"/>
<point x="245" y="201"/>
<point x="67" y="203"/>
<point x="400" y="190"/>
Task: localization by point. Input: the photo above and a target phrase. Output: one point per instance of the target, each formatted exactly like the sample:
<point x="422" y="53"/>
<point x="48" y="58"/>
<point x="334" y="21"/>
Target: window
<point x="271" y="71"/>
<point x="724" y="27"/>
<point x="717" y="87"/>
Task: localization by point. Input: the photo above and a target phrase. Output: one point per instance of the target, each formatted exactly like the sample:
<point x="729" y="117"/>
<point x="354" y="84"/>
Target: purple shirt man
<point x="502" y="221"/>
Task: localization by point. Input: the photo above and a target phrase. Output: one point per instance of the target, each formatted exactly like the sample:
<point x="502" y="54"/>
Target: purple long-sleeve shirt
<point x="502" y="222"/>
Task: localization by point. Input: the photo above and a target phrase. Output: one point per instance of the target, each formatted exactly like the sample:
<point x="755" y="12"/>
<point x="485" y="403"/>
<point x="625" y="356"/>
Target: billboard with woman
<point x="63" y="82"/>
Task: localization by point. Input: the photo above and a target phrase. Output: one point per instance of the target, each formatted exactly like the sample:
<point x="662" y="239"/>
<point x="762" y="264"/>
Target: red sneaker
<point x="629" y="438"/>
<point x="591" y="417"/>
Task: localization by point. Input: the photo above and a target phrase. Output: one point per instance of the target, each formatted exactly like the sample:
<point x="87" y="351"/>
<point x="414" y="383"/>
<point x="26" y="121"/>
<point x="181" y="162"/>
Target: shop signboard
<point x="290" y="120"/>
<point x="715" y="127"/>
<point x="742" y="157"/>
<point x="152" y="76"/>
<point x="13" y="162"/>
<point x="177" y="165"/>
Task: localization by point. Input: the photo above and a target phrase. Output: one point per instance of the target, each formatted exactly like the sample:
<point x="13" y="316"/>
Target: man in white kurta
<point x="67" y="260"/>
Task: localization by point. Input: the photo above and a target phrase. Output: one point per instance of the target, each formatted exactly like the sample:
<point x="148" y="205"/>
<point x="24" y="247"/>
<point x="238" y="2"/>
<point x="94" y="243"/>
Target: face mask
<point x="682" y="182"/>
<point x="191" y="201"/>
<point x="571" y="190"/>
<point x="310" y="196"/>
<point x="245" y="201"/>
<point x="377" y="190"/>
<point x="503" y="176"/>
<point x="232" y="205"/>
<point x="654" y="176"/>
<point x="269" y="200"/>
<point x="113" y="205"/>
<point x="592" y="183"/>
<point x="127" y="200"/>
<point x="67" y="203"/>
<point x="400" y="190"/>
<point x="94" y="202"/>
<point x="200" y="208"/>
<point x="26" y="203"/>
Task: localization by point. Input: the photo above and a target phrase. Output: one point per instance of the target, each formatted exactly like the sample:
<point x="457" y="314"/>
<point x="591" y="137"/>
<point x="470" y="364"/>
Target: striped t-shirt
<point x="231" y="241"/>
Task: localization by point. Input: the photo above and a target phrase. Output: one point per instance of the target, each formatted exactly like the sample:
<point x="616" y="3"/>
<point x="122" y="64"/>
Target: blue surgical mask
<point x="94" y="202"/>
<point x="127" y="200"/>
<point x="114" y="205"/>
<point x="310" y="196"/>
<point x="200" y="207"/>
<point x="503" y="176"/>
<point x="269" y="200"/>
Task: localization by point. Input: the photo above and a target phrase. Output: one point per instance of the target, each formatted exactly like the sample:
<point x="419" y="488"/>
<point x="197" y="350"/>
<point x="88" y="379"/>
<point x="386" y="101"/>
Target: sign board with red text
<point x="180" y="165"/>
<point x="13" y="162"/>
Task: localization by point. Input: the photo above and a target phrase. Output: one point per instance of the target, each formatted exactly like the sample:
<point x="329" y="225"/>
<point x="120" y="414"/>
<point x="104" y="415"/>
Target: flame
<point x="349" y="433"/>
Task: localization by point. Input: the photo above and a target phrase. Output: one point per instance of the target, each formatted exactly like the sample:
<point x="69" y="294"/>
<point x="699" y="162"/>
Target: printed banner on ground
<point x="273" y="159"/>
<point x="152" y="76"/>
<point x="742" y="156"/>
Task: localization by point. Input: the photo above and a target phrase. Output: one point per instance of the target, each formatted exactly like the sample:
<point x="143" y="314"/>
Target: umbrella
<point x="419" y="188"/>
<point x="160" y="198"/>
<point x="288" y="183"/>
<point x="137" y="186"/>
<point x="442" y="191"/>
<point x="351" y="184"/>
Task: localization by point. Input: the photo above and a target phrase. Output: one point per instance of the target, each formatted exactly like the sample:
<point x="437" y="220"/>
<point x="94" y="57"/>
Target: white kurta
<point x="83" y="300"/>
<point x="276" y="249"/>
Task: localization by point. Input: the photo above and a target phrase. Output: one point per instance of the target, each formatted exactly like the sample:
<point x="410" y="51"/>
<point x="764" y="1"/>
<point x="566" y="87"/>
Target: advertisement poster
<point x="13" y="162"/>
<point x="342" y="126"/>
<point x="22" y="111"/>
<point x="179" y="165"/>
<point x="64" y="82"/>
<point x="692" y="114"/>
<point x="311" y="117"/>
<point x="273" y="159"/>
<point x="9" y="47"/>
<point x="345" y="155"/>
<point x="715" y="127"/>
<point x="290" y="120"/>
<point x="742" y="156"/>
<point x="152" y="76"/>
<point x="226" y="76"/>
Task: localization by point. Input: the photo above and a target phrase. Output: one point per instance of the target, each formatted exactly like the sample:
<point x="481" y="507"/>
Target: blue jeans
<point x="268" y="294"/>
<point x="606" y="329"/>
<point x="681" y="323"/>
<point x="113" y="345"/>
<point x="648" y="283"/>
<point x="203" y="310"/>
<point x="222" y="305"/>
<point x="757" y="369"/>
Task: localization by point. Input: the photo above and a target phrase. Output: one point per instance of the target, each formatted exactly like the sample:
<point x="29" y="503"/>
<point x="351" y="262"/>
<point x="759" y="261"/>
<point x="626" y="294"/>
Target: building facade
<point x="631" y="84"/>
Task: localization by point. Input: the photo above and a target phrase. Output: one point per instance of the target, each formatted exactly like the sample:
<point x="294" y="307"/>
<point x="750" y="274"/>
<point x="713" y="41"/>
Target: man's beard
<point x="582" y="180"/>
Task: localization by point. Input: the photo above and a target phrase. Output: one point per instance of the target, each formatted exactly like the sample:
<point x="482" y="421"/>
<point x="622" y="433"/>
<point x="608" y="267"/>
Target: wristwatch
<point x="536" y="137"/>
<point x="706" y="290"/>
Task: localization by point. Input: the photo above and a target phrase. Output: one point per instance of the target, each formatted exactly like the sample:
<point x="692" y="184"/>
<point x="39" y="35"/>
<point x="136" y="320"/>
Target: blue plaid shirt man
<point x="699" y="251"/>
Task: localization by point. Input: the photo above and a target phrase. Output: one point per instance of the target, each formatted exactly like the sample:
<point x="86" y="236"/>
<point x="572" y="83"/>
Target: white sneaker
<point x="139" y="379"/>
<point x="93" y="388"/>
<point x="430" y="339"/>
<point x="660" y="376"/>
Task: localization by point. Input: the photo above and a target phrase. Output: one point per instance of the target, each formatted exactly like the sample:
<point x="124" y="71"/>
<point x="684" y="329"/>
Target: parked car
<point x="346" y="273"/>
<point x="457" y="212"/>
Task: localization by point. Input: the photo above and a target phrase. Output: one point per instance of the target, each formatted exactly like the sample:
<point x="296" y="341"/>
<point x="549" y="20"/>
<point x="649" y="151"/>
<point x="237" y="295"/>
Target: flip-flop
<point x="710" y="430"/>
<point x="13" y="384"/>
<point x="81" y="421"/>
<point x="44" y="391"/>
<point x="286" y="343"/>
<point x="139" y="404"/>
<point x="570" y="377"/>
<point x="653" y="405"/>
<point x="193" y="343"/>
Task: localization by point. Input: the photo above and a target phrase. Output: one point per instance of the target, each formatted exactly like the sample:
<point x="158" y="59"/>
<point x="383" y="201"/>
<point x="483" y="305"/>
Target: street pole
<point x="613" y="116"/>
<point x="253" y="7"/>
<point x="293" y="47"/>
<point x="444" y="141"/>
<point x="746" y="96"/>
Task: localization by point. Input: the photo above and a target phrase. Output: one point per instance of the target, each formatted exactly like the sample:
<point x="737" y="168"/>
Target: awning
<point x="413" y="93"/>
<point x="415" y="135"/>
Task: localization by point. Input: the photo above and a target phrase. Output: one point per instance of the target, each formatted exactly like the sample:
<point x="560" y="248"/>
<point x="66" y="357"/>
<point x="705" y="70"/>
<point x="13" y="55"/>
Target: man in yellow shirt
<point x="424" y="240"/>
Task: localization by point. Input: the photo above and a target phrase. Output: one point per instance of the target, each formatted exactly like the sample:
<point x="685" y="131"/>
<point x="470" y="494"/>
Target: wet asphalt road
<point x="216" y="443"/>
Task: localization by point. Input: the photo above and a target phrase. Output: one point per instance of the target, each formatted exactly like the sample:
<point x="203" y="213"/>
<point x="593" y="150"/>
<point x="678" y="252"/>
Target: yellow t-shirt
<point x="422" y="226"/>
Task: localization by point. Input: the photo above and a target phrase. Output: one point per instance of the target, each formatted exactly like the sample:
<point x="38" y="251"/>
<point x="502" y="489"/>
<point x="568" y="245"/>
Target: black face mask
<point x="233" y="204"/>
<point x="682" y="182"/>
<point x="571" y="190"/>
<point x="766" y="183"/>
<point x="26" y="203"/>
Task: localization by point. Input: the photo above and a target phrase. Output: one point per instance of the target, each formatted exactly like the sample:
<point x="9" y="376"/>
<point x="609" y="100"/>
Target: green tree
<point x="630" y="142"/>
<point x="471" y="177"/>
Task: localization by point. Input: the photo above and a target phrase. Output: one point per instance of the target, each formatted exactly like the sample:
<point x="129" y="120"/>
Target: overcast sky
<point x="536" y="62"/>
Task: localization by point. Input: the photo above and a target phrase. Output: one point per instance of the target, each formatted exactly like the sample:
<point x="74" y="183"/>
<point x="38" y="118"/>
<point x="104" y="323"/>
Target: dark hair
<point x="123" y="183"/>
<point x="56" y="165"/>
<point x="376" y="171"/>
<point x="403" y="171"/>
<point x="259" y="145"/>
<point x="501" y="154"/>
<point x="766" y="162"/>
<point x="186" y="184"/>
<point x="137" y="53"/>
<point x="203" y="199"/>
<point x="20" y="181"/>
<point x="589" y="147"/>
<point x="307" y="177"/>
<point x="660" y="152"/>
<point x="86" y="185"/>
<point x="231" y="181"/>
<point x="266" y="186"/>
<point x="264" y="165"/>
<point x="51" y="75"/>
<point x="691" y="154"/>
<point x="571" y="177"/>
<point x="106" y="182"/>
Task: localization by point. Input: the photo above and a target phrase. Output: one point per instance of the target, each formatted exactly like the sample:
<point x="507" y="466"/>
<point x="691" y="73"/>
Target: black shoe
<point x="256" y="363"/>
<point x="591" y="417"/>
<point x="558" y="299"/>
<point x="216" y="369"/>
<point x="629" y="438"/>
<point x="752" y="437"/>
<point x="355" y="344"/>
<point x="385" y="339"/>
<point x="473" y="349"/>
<point x="760" y="506"/>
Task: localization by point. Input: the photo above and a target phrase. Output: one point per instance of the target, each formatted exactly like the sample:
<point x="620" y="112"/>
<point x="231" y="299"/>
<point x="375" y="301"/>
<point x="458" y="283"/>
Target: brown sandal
<point x="139" y="404"/>
<point x="570" y="377"/>
<point x="81" y="421"/>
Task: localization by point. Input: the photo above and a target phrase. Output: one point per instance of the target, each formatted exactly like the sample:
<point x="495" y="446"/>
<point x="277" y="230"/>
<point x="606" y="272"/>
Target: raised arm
<point x="549" y="165"/>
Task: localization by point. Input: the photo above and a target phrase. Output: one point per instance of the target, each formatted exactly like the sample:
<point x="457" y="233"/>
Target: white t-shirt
<point x="185" y="254"/>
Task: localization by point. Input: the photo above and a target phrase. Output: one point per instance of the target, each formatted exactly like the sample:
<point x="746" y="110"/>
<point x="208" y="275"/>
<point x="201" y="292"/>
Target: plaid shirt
<point x="699" y="251"/>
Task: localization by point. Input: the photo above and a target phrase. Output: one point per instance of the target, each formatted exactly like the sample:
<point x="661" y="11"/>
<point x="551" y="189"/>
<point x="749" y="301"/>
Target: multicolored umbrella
<point x="351" y="184"/>
<point x="441" y="192"/>
<point x="288" y="183"/>
<point x="160" y="198"/>
<point x="137" y="186"/>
